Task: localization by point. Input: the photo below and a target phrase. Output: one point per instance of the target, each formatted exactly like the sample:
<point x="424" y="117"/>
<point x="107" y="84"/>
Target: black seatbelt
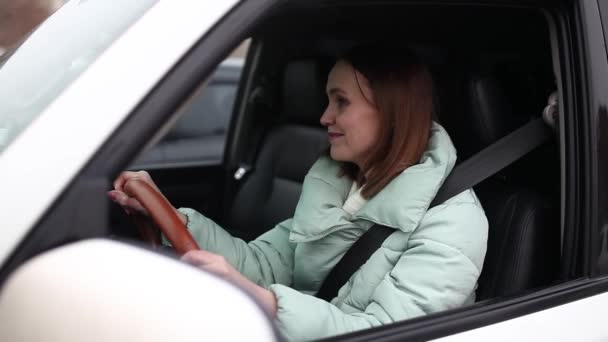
<point x="466" y="175"/>
<point x="493" y="158"/>
<point x="354" y="258"/>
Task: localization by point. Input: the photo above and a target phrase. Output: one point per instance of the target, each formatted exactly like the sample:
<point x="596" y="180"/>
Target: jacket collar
<point x="400" y="205"/>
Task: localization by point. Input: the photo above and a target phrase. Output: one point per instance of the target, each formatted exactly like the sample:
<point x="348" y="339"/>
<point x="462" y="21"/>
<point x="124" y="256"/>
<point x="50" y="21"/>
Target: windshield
<point x="55" y="54"/>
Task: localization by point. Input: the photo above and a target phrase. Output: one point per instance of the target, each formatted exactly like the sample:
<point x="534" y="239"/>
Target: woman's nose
<point x="327" y="119"/>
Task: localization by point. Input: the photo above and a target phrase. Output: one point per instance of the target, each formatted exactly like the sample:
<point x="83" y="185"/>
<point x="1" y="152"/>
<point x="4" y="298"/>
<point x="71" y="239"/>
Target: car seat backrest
<point x="523" y="245"/>
<point x="271" y="191"/>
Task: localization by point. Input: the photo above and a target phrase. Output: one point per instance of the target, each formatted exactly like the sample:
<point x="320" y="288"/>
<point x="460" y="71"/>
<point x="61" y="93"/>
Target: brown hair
<point x="402" y="90"/>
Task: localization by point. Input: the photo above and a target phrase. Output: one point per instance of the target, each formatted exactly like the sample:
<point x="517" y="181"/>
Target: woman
<point x="386" y="161"/>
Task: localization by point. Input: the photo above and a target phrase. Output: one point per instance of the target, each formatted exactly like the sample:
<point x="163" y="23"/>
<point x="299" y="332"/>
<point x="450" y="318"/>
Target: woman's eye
<point x="341" y="102"/>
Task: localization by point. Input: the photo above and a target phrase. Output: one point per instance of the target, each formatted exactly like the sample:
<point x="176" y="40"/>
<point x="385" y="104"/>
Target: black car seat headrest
<point x="493" y="114"/>
<point x="477" y="107"/>
<point x="304" y="99"/>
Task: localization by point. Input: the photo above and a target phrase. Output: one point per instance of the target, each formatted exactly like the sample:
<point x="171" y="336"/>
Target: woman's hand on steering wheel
<point x="119" y="195"/>
<point x="129" y="203"/>
<point x="151" y="211"/>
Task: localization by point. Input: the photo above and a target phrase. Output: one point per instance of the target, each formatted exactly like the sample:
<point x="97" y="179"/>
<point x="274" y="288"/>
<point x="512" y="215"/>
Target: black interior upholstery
<point x="304" y="98"/>
<point x="270" y="193"/>
<point x="523" y="246"/>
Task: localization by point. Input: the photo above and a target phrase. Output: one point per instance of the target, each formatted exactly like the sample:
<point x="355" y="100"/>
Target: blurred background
<point x="20" y="17"/>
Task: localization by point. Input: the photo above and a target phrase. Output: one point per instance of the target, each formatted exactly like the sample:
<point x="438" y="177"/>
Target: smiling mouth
<point x="333" y="136"/>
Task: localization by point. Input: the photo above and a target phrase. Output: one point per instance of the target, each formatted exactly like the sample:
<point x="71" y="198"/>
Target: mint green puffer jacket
<point x="430" y="263"/>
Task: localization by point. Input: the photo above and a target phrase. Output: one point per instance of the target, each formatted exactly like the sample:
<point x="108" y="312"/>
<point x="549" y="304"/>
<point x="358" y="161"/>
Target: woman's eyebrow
<point x="332" y="91"/>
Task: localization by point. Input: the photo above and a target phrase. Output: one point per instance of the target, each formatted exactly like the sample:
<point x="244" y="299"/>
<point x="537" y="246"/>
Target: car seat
<point x="271" y="191"/>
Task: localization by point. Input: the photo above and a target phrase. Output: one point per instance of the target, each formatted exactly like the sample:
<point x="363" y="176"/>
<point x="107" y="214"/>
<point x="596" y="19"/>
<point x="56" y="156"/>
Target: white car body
<point x="175" y="27"/>
<point x="120" y="64"/>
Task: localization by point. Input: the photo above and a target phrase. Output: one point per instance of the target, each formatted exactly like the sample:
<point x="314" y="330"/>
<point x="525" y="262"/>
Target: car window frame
<point x="597" y="57"/>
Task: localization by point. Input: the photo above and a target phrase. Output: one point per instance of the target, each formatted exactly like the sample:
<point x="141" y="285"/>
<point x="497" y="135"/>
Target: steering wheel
<point x="163" y="214"/>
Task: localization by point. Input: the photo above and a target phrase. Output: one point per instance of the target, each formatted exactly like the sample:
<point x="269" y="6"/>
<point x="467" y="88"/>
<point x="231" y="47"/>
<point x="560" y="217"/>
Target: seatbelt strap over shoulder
<point x="493" y="158"/>
<point x="466" y="175"/>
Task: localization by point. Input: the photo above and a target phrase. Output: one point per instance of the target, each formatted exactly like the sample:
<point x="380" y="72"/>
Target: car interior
<point x="493" y="72"/>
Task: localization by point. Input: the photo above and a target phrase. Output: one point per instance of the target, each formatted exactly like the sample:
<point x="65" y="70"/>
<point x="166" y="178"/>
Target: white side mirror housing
<point x="101" y="290"/>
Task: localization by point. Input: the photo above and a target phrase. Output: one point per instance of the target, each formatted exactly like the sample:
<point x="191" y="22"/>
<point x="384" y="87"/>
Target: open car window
<point x="488" y="82"/>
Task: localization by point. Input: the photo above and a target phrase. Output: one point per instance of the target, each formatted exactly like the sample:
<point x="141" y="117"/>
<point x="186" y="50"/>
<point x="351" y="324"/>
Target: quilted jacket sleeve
<point x="266" y="260"/>
<point x="438" y="271"/>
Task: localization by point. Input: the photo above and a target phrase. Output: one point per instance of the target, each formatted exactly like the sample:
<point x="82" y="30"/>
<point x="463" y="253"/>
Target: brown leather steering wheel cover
<point x="163" y="213"/>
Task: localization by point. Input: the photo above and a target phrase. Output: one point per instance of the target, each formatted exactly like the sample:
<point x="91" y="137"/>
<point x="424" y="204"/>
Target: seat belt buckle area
<point x="551" y="112"/>
<point x="242" y="171"/>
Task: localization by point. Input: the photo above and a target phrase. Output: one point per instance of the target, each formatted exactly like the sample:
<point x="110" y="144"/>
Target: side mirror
<point x="101" y="290"/>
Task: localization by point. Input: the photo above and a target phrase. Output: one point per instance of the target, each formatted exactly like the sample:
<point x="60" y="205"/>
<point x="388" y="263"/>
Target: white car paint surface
<point x="87" y="291"/>
<point x="582" y="320"/>
<point x="51" y="151"/>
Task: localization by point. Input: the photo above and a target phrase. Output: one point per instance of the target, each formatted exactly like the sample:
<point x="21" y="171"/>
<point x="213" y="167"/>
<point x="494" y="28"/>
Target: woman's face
<point x="351" y="118"/>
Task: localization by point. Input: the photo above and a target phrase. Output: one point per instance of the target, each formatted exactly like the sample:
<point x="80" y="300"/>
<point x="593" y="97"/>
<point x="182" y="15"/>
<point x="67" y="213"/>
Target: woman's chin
<point x="338" y="155"/>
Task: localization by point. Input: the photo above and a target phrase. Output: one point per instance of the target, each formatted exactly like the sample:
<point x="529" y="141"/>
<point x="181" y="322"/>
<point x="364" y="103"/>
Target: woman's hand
<point x="119" y="196"/>
<point x="218" y="265"/>
<point x="130" y="204"/>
